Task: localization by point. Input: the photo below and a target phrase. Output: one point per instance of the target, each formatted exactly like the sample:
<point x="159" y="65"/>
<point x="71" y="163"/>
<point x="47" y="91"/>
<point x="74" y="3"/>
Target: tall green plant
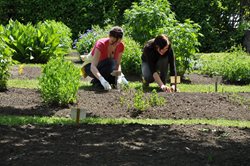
<point x="131" y="59"/>
<point x="36" y="44"/>
<point x="145" y="17"/>
<point x="149" y="18"/>
<point x="5" y="60"/>
<point x="59" y="82"/>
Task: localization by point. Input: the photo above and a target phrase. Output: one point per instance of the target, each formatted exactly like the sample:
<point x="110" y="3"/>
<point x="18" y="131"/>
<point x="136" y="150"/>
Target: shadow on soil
<point x="41" y="110"/>
<point x="128" y="145"/>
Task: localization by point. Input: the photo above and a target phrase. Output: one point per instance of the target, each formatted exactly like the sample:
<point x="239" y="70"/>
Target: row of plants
<point x="233" y="66"/>
<point x="222" y="21"/>
<point x="141" y="101"/>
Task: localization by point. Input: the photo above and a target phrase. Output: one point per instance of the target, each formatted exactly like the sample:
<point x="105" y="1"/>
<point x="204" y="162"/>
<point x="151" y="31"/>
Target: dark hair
<point x="116" y="32"/>
<point x="161" y="41"/>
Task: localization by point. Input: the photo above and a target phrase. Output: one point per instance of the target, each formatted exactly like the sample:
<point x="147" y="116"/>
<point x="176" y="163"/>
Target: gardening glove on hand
<point x="104" y="83"/>
<point x="122" y="80"/>
<point x="164" y="88"/>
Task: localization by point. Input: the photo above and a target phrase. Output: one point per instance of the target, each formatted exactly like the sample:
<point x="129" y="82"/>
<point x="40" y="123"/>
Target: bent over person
<point x="157" y="57"/>
<point x="106" y="57"/>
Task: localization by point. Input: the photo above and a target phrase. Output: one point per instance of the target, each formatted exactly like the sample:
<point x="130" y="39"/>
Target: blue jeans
<point x="105" y="68"/>
<point x="162" y="67"/>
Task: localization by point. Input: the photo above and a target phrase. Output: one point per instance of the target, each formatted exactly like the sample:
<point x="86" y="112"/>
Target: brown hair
<point x="161" y="41"/>
<point x="116" y="32"/>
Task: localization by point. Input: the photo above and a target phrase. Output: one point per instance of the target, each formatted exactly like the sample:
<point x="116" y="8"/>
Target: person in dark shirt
<point x="157" y="57"/>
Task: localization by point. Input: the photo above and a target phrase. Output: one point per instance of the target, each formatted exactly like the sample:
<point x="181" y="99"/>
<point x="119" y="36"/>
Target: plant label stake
<point x="175" y="80"/>
<point x="77" y="114"/>
<point x="217" y="79"/>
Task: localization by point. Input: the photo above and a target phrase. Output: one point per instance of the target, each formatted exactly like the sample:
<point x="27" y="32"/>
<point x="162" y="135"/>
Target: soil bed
<point x="125" y="144"/>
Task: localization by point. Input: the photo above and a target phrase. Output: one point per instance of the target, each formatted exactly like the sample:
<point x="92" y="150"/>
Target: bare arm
<point x="160" y="83"/>
<point x="118" y="66"/>
<point x="94" y="63"/>
<point x="158" y="79"/>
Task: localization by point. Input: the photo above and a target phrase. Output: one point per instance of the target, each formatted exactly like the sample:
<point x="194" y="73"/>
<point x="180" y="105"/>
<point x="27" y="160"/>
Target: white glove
<point x="105" y="83"/>
<point x="164" y="88"/>
<point x="122" y="80"/>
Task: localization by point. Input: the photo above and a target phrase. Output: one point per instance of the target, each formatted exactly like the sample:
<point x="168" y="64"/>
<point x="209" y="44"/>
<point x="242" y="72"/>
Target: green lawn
<point x="22" y="120"/>
<point x="33" y="84"/>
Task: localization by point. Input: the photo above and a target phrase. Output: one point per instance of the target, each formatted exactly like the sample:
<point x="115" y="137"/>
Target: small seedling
<point x="155" y="99"/>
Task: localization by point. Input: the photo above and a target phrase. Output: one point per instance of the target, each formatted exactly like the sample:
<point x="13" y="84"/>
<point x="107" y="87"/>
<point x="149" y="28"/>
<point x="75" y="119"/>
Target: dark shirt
<point x="151" y="56"/>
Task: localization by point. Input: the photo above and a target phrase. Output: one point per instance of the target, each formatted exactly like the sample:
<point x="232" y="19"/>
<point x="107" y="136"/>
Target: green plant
<point x="233" y="66"/>
<point x="131" y="58"/>
<point x="155" y="99"/>
<point x="37" y="44"/>
<point x="139" y="101"/>
<point x="5" y="60"/>
<point x="87" y="40"/>
<point x="62" y="31"/>
<point x="59" y="82"/>
<point x="149" y="18"/>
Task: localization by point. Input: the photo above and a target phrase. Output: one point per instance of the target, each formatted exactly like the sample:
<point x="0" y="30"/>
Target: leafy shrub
<point x="59" y="82"/>
<point x="233" y="66"/>
<point x="5" y="60"/>
<point x="36" y="44"/>
<point x="145" y="17"/>
<point x="131" y="59"/>
<point x="149" y="18"/>
<point x="63" y="32"/>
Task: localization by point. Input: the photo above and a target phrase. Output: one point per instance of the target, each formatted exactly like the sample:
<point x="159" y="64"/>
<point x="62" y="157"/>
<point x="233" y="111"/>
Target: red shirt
<point x="102" y="46"/>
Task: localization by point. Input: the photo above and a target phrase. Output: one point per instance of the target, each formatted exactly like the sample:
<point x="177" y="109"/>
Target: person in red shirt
<point x="157" y="57"/>
<point x="106" y="57"/>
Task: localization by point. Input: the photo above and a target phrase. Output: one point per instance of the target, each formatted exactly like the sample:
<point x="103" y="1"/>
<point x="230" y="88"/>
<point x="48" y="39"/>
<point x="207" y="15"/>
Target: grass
<point x="22" y="120"/>
<point x="33" y="84"/>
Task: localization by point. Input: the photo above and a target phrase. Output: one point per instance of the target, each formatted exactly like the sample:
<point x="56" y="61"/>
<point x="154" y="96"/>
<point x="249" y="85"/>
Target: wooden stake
<point x="77" y="115"/>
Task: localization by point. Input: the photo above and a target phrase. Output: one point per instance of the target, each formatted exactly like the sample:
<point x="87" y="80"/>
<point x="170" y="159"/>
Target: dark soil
<point x="125" y="144"/>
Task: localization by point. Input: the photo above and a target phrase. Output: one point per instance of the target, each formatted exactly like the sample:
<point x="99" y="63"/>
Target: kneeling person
<point x="106" y="57"/>
<point x="157" y="57"/>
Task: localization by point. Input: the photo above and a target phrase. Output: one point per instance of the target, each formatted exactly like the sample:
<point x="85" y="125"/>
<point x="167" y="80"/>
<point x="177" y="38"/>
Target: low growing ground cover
<point x="125" y="144"/>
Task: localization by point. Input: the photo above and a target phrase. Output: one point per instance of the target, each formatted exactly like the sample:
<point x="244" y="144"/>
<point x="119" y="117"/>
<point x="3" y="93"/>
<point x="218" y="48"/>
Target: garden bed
<point x="125" y="144"/>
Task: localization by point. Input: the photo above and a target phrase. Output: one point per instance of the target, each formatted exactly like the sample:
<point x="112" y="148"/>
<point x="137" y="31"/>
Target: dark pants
<point x="162" y="67"/>
<point x="105" y="68"/>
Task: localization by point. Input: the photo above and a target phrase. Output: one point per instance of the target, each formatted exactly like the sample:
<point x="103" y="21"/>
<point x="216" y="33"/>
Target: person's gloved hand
<point x="122" y="80"/>
<point x="164" y="88"/>
<point x="105" y="83"/>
